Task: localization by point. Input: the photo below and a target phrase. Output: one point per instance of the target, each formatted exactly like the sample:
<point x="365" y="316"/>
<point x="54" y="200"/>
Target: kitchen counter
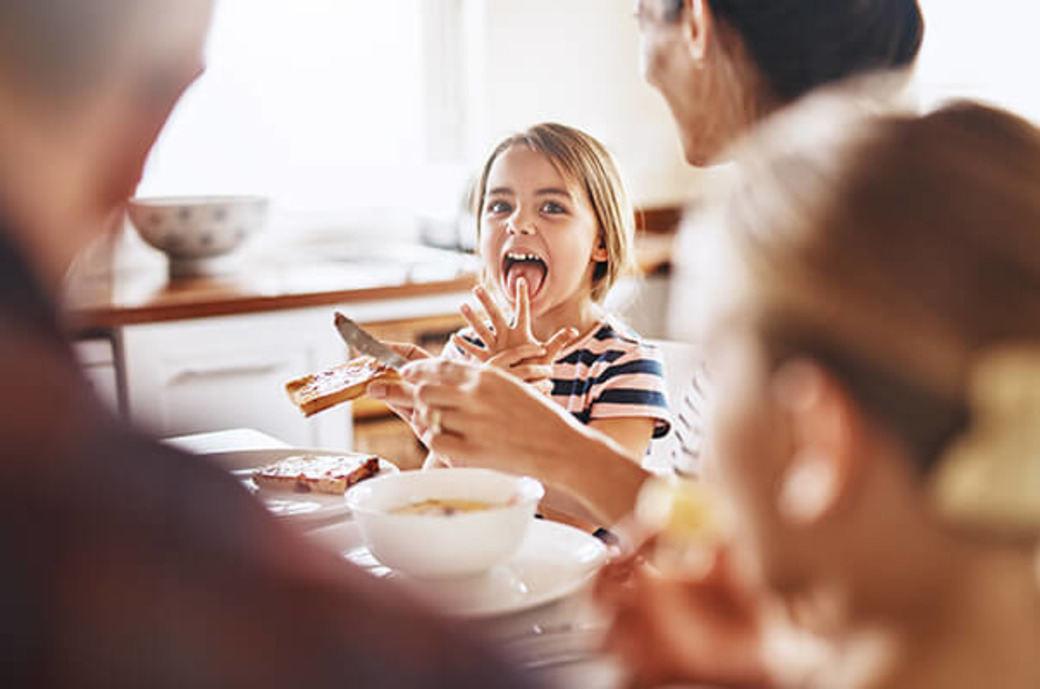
<point x="136" y="294"/>
<point x="137" y="289"/>
<point x="136" y="297"/>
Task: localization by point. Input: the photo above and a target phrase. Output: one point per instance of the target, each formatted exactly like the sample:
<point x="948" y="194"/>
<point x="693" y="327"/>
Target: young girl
<point x="876" y="363"/>
<point x="556" y="232"/>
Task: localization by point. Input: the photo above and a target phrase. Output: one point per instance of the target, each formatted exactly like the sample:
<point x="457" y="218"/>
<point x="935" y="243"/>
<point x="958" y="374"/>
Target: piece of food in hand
<point x="690" y="519"/>
<point x="682" y="508"/>
<point x="322" y="474"/>
<point x="316" y="392"/>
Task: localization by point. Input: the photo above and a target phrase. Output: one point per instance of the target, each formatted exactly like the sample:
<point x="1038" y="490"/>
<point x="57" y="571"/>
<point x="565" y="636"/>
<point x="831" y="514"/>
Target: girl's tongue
<point x="532" y="271"/>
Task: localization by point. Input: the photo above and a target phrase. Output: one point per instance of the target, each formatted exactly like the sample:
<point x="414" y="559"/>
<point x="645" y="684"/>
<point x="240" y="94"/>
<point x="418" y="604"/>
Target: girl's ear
<point x="600" y="253"/>
<point x="819" y="475"/>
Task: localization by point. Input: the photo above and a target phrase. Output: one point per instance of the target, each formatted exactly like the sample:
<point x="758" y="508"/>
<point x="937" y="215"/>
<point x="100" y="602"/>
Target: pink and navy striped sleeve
<point x="611" y="374"/>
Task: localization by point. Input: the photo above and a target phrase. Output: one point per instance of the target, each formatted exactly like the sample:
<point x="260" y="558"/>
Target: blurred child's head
<point x="551" y="208"/>
<point x="877" y="350"/>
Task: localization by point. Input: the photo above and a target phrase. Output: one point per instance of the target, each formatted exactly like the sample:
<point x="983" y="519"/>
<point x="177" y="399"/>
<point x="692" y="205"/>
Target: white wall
<point x="573" y="61"/>
<point x="987" y="50"/>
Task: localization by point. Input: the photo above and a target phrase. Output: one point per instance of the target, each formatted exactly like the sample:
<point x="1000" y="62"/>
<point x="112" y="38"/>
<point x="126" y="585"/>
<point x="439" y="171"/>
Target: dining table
<point x="555" y="636"/>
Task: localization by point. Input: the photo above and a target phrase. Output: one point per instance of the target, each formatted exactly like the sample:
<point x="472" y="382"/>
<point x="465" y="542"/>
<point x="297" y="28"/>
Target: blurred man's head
<point x="85" y="88"/>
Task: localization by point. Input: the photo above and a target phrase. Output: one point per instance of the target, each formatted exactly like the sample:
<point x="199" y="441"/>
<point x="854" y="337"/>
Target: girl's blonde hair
<point x="899" y="251"/>
<point x="583" y="160"/>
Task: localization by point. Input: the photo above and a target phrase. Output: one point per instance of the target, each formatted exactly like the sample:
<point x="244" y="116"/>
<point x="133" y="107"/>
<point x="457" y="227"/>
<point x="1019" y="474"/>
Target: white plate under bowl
<point x="553" y="561"/>
<point x="302" y="507"/>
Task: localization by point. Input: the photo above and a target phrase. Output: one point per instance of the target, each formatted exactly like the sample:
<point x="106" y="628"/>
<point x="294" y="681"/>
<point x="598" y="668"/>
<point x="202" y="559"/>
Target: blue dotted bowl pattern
<point x="187" y="229"/>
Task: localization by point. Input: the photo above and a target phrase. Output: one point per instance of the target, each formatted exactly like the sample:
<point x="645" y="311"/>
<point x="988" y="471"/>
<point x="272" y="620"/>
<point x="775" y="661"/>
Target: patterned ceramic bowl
<point x="194" y="230"/>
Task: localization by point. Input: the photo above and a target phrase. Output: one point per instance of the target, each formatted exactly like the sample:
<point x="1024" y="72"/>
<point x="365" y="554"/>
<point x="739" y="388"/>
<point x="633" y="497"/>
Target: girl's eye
<point x="497" y="207"/>
<point x="553" y="208"/>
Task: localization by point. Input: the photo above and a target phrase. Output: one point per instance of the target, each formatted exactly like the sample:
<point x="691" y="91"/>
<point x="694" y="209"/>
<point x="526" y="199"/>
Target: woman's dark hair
<point x="801" y="44"/>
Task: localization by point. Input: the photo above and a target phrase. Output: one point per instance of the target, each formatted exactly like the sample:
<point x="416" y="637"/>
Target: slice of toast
<point x="315" y="392"/>
<point x="324" y="474"/>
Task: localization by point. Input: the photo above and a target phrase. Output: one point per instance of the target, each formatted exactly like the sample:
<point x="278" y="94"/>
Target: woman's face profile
<point x="675" y="60"/>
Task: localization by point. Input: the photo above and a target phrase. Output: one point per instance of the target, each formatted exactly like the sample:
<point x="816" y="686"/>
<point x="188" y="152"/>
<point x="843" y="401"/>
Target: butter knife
<point x="355" y="336"/>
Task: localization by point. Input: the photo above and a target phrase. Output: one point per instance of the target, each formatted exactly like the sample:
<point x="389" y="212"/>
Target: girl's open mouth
<point x="521" y="264"/>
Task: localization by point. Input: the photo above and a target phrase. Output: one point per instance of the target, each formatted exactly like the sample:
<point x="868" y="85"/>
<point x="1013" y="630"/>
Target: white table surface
<point x="232" y="440"/>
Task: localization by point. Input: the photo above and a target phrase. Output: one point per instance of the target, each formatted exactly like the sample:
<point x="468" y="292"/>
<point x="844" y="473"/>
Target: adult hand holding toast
<point x="483" y="413"/>
<point x="399" y="395"/>
<point x="488" y="418"/>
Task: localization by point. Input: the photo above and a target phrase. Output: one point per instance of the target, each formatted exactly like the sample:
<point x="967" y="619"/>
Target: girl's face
<point x="537" y="225"/>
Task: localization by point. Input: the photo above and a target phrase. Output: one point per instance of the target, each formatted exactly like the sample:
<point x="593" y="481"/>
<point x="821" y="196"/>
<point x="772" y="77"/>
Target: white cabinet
<point x="97" y="358"/>
<point x="219" y="373"/>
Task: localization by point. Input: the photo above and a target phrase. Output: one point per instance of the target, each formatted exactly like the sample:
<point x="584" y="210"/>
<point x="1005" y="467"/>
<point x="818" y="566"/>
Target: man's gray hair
<point x="59" y="48"/>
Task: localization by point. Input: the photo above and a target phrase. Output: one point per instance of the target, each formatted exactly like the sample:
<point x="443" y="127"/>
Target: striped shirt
<point x="608" y="374"/>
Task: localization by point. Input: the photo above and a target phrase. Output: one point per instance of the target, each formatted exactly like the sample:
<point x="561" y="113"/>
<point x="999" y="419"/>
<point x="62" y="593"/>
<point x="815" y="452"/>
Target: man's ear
<point x="700" y="27"/>
<point x="824" y="454"/>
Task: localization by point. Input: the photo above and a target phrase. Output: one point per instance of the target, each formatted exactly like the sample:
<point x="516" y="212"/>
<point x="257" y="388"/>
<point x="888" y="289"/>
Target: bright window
<point x="316" y="103"/>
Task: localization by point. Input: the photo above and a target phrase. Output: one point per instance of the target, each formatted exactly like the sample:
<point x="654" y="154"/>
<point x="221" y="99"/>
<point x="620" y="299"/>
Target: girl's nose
<point x="520" y="226"/>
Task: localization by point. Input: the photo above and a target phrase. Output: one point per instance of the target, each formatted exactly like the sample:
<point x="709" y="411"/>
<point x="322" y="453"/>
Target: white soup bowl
<point x="438" y="545"/>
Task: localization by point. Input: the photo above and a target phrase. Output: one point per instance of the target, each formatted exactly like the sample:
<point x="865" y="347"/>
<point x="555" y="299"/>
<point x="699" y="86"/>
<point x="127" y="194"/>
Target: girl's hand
<point x="513" y="347"/>
<point x="500" y="335"/>
<point x="529" y="363"/>
<point x="704" y="630"/>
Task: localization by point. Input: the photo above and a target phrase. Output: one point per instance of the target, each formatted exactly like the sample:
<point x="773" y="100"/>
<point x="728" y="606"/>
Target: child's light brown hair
<point x="584" y="161"/>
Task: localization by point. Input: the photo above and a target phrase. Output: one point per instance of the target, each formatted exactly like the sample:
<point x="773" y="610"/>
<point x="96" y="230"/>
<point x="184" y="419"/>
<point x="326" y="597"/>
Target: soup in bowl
<point x="444" y="522"/>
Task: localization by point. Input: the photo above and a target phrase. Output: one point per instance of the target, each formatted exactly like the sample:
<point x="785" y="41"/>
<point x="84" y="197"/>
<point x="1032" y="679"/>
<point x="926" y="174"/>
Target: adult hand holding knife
<point x="397" y="395"/>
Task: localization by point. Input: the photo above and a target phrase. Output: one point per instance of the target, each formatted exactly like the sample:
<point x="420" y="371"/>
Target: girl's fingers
<point x="523" y="308"/>
<point x="480" y="327"/>
<point x="544" y="386"/>
<point x="498" y="320"/>
<point x="478" y="353"/>
<point x="559" y="340"/>
<point x="515" y="355"/>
